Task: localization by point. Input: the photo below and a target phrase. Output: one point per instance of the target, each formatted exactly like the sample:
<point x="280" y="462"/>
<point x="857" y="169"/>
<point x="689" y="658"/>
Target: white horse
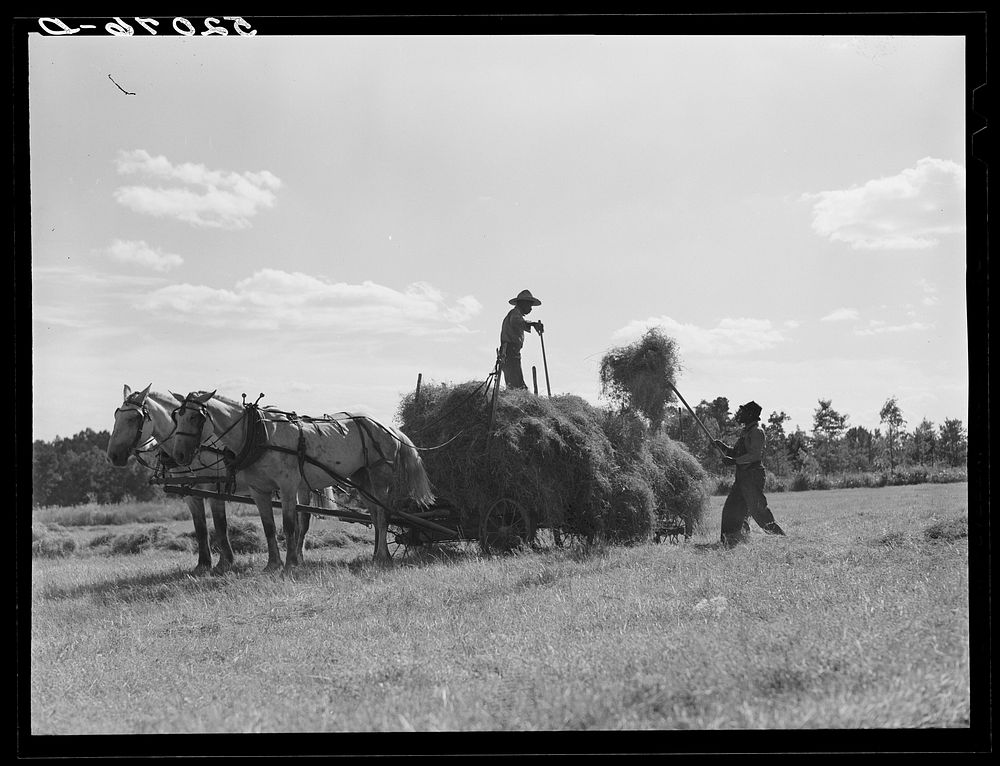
<point x="143" y="424"/>
<point x="281" y="450"/>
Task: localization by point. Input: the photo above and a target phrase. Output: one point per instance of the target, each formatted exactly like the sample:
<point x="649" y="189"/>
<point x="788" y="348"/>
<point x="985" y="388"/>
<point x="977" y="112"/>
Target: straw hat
<point x="525" y="295"/>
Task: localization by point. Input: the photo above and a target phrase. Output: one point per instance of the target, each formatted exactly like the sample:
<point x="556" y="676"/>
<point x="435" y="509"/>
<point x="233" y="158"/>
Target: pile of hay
<point x="51" y="541"/>
<point x="568" y="464"/>
<point x="152" y="537"/>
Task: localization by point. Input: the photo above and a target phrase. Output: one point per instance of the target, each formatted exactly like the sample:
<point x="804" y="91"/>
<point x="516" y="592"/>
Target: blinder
<point x="201" y="416"/>
<point x="134" y="404"/>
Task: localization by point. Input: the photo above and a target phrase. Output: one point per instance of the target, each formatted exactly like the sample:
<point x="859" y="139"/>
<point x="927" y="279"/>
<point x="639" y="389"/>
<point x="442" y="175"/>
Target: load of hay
<point x="570" y="466"/>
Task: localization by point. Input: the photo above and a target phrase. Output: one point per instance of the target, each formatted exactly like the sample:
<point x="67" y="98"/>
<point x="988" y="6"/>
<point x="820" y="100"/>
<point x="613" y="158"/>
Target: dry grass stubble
<point x="858" y="620"/>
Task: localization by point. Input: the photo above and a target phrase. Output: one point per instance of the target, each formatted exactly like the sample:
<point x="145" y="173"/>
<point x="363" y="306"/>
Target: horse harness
<point x="255" y="443"/>
<point x="164" y="462"/>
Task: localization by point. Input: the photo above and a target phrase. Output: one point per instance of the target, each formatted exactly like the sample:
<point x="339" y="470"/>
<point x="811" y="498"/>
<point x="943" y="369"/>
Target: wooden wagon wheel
<point x="504" y="525"/>
<point x="399" y="539"/>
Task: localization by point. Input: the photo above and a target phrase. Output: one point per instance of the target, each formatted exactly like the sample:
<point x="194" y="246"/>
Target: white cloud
<point x="930" y="293"/>
<point x="198" y="196"/>
<point x="879" y="327"/>
<point x="63" y="276"/>
<point x="126" y="251"/>
<point x="840" y="315"/>
<point x="271" y="299"/>
<point x="908" y="211"/>
<point x="729" y="336"/>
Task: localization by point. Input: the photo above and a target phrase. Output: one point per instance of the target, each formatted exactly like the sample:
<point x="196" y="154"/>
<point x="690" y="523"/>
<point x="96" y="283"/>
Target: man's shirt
<point x="749" y="449"/>
<point x="512" y="329"/>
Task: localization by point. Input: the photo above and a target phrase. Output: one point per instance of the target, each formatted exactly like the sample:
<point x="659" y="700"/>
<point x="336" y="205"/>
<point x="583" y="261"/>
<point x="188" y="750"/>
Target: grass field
<point x="859" y="619"/>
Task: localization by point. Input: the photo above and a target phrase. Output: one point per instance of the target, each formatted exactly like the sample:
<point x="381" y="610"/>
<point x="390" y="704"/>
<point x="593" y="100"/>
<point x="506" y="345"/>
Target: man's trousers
<point x="746" y="498"/>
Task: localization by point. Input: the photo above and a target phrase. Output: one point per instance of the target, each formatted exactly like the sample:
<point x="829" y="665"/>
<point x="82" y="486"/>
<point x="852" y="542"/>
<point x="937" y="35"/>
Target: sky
<point x="322" y="218"/>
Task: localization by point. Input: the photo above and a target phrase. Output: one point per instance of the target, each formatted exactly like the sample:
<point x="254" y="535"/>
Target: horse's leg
<point x="197" y="508"/>
<point x="226" y="557"/>
<point x="263" y="500"/>
<point x="377" y="481"/>
<point x="290" y="526"/>
<point x="304" y="520"/>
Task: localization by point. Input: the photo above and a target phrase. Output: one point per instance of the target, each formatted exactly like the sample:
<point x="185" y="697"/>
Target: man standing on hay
<point x="746" y="498"/>
<point x="512" y="337"/>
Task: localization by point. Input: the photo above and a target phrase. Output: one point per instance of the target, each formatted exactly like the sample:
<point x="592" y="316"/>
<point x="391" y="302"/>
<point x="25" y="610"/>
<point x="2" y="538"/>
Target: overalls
<point x="746" y="498"/>
<point x="511" y="341"/>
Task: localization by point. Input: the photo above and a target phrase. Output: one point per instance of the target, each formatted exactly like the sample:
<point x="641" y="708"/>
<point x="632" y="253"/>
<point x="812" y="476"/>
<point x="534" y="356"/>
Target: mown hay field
<point x="859" y="619"/>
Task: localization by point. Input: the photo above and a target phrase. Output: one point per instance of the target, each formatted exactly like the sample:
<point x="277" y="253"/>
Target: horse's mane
<point x="166" y="401"/>
<point x="220" y="397"/>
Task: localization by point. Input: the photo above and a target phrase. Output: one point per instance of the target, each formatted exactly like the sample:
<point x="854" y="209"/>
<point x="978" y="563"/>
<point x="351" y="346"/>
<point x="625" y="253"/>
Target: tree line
<point x="831" y="446"/>
<point x="75" y="470"/>
<point x="640" y="377"/>
<point x="635" y="378"/>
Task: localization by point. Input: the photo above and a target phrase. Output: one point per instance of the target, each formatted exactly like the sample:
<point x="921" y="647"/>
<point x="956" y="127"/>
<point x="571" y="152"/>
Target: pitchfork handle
<point x="545" y="364"/>
<point x="696" y="418"/>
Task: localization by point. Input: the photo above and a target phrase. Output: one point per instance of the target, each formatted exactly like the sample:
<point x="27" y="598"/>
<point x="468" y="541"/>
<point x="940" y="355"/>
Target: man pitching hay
<point x="747" y="495"/>
<point x="512" y="337"/>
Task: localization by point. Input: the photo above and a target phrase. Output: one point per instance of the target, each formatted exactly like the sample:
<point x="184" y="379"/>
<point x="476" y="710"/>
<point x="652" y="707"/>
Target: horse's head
<point x="192" y="425"/>
<point x="130" y="421"/>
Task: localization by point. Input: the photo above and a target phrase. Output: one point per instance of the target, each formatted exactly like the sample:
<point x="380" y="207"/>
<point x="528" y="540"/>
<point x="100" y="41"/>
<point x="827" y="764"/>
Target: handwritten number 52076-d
<point x="118" y="27"/>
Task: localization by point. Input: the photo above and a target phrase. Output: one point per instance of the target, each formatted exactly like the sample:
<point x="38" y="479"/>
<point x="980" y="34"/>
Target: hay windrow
<point x="561" y="459"/>
<point x="51" y="541"/>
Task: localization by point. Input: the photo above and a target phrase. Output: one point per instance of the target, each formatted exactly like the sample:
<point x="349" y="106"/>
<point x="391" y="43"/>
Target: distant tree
<point x="827" y="422"/>
<point x="777" y="443"/>
<point x="44" y="471"/>
<point x="76" y="470"/>
<point x="828" y="425"/>
<point x="953" y="442"/>
<point x="776" y="424"/>
<point x="923" y="446"/>
<point x="892" y="418"/>
<point x="798" y="448"/>
<point x="860" y="448"/>
<point x="698" y="442"/>
<point x="718" y="409"/>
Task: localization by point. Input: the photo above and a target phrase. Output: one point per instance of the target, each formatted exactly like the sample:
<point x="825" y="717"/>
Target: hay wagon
<point x="500" y="526"/>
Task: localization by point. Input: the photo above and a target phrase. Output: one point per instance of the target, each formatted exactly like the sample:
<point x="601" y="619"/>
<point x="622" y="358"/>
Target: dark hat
<point x="525" y="295"/>
<point x="749" y="411"/>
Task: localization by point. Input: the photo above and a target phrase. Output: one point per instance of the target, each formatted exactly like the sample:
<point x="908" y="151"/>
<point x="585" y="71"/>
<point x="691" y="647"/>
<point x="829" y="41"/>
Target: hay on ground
<point x="51" y="541"/>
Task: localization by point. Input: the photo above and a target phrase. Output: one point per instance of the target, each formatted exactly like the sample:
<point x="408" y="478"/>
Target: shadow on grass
<point x="154" y="586"/>
<point x="709" y="547"/>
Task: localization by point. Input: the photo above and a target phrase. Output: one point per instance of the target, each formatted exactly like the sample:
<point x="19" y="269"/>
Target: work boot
<point x="732" y="540"/>
<point x="773" y="529"/>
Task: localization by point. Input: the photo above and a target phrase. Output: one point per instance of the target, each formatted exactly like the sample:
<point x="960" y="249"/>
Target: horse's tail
<point x="323" y="498"/>
<point x="411" y="469"/>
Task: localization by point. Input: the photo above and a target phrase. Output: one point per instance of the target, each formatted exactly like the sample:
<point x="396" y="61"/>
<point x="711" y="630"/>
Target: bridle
<point x="135" y="405"/>
<point x="200" y="417"/>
